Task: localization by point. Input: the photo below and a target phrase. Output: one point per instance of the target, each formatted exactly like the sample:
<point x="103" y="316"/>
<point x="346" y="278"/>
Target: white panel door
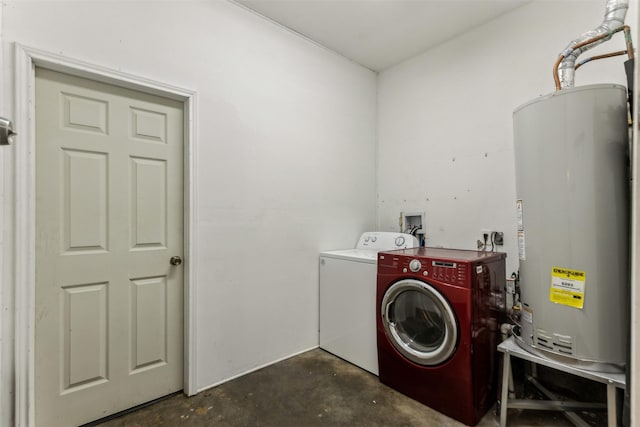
<point x="109" y="216"/>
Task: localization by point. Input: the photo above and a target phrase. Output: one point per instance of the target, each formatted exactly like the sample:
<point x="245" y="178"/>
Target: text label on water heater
<point x="567" y="287"/>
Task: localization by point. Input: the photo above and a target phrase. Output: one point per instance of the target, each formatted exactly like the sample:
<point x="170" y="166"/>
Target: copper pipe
<point x="556" y="77"/>
<point x="600" y="37"/>
<point x="629" y="52"/>
<point x="606" y="55"/>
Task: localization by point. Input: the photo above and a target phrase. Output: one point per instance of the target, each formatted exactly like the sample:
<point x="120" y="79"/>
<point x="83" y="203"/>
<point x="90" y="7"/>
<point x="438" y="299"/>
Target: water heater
<point x="572" y="184"/>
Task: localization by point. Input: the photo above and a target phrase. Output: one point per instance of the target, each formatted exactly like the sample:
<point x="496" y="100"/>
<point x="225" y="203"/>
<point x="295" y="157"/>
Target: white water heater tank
<point x="572" y="168"/>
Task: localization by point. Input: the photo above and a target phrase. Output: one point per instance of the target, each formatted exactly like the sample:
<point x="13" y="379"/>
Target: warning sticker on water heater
<point x="521" y="246"/>
<point x="567" y="287"/>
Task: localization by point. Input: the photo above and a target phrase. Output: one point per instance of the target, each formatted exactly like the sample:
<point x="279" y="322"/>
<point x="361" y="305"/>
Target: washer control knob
<point x="415" y="265"/>
<point x="399" y="240"/>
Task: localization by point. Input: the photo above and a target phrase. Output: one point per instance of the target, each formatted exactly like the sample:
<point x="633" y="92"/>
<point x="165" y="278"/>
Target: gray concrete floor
<point x="312" y="389"/>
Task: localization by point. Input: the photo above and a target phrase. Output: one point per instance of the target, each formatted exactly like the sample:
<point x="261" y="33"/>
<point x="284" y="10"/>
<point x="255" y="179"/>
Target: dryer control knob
<point x="415" y="265"/>
<point x="399" y="240"/>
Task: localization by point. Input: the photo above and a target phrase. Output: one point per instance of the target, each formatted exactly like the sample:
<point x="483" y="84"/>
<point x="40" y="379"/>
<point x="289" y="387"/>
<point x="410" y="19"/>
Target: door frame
<point x="26" y="60"/>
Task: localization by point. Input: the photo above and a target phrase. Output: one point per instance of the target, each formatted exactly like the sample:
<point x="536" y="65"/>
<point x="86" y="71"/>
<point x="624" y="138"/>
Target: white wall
<point x="445" y="119"/>
<point x="281" y="126"/>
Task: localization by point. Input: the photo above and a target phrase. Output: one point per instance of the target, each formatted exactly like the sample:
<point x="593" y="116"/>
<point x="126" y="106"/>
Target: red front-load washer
<point x="437" y="327"/>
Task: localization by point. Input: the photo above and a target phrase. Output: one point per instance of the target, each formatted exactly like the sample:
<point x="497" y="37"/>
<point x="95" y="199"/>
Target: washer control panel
<point x="415" y="265"/>
<point x="452" y="272"/>
<point x="448" y="271"/>
<point x="384" y="240"/>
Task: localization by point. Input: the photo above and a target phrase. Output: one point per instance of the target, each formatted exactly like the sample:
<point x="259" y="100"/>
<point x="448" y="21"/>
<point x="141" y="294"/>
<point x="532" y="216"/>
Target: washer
<point x="348" y="296"/>
<point x="437" y="327"/>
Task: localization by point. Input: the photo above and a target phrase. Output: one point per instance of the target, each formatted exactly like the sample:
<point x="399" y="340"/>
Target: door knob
<point x="175" y="260"/>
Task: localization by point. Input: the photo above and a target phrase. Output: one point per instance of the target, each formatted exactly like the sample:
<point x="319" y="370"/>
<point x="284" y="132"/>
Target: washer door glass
<point x="419" y="322"/>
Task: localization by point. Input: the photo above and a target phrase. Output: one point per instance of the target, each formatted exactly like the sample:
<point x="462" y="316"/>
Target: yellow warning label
<point x="567" y="287"/>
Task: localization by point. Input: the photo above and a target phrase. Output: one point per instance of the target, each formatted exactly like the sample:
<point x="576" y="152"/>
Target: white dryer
<point x="348" y="297"/>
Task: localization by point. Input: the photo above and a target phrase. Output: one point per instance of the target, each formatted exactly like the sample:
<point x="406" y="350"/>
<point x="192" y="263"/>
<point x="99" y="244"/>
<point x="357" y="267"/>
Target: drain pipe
<point x="564" y="68"/>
